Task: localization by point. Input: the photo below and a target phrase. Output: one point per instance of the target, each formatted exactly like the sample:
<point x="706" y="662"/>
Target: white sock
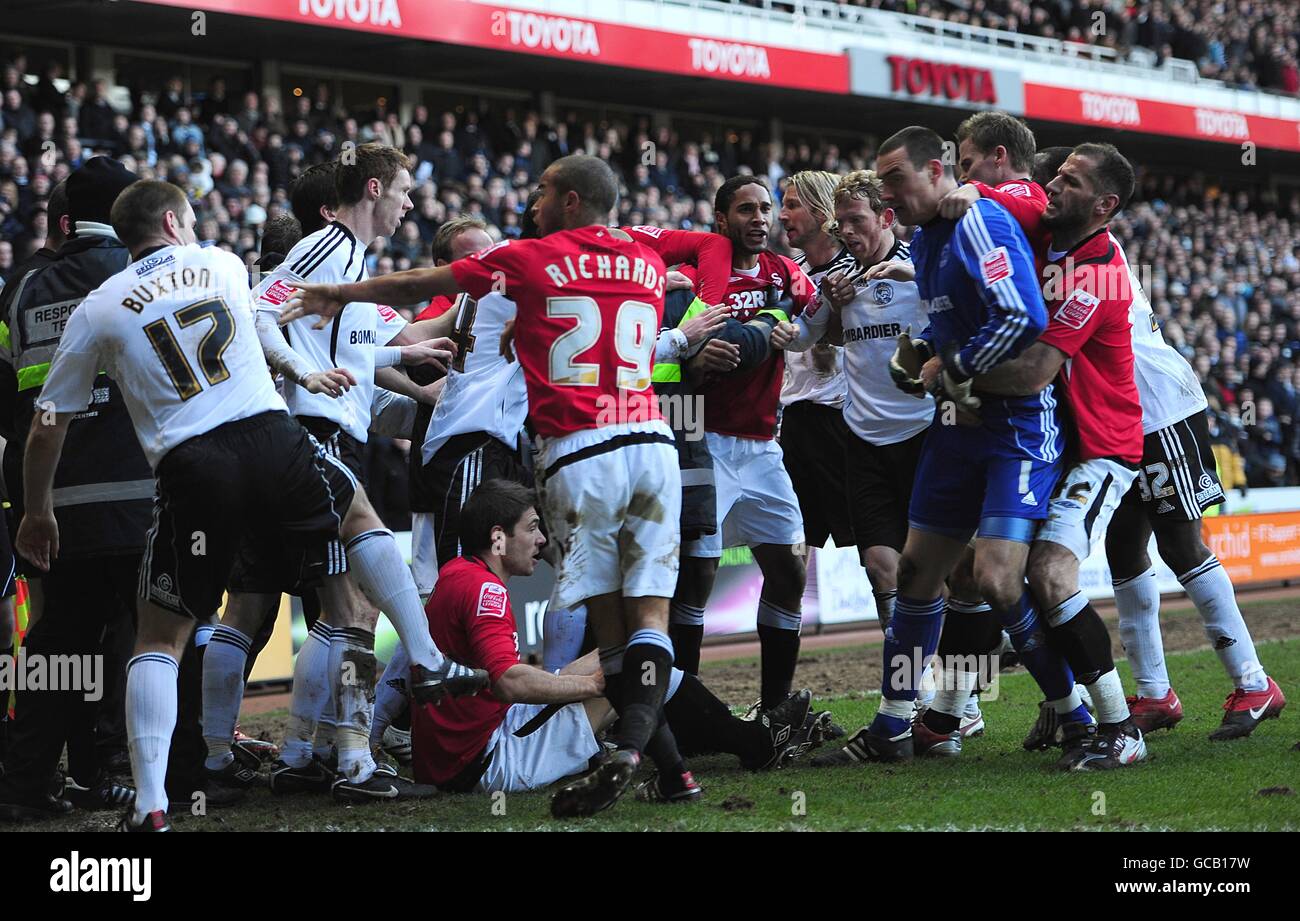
<point x="1138" y="602"/>
<point x="150" y="722"/>
<point x="1108" y="698"/>
<point x="355" y="681"/>
<point x="925" y="693"/>
<point x="954" y="695"/>
<point x="390" y="700"/>
<point x="327" y="719"/>
<point x="1211" y="591"/>
<point x="972" y="711"/>
<point x="223" y="691"/>
<point x="562" y="630"/>
<point x="384" y="578"/>
<point x="311" y="691"/>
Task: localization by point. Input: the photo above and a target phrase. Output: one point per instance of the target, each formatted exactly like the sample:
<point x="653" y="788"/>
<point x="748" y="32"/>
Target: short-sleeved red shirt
<point x="471" y="622"/>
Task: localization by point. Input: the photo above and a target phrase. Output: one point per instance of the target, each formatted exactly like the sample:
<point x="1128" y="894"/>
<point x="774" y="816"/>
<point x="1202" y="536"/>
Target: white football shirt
<point x="802" y="380"/>
<point x="175" y="330"/>
<point x="331" y="255"/>
<point x="875" y="409"/>
<point x="1167" y="384"/>
<point x="484" y="392"/>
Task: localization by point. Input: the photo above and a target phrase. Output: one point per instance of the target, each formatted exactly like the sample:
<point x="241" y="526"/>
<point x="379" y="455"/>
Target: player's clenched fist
<point x="321" y="300"/>
<point x="783" y="334"/>
<point x="334" y="382"/>
<point x="906" y="364"/>
<point x="957" y="202"/>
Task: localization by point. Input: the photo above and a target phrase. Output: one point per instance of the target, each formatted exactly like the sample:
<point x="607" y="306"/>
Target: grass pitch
<point x="1189" y="783"/>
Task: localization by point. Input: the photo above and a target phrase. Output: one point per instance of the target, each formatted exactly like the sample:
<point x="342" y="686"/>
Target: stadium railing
<point x="828" y="16"/>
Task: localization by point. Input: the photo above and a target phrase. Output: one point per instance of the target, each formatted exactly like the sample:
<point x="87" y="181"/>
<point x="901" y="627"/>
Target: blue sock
<point x="1079" y="714"/>
<point x="910" y="641"/>
<point x="1030" y="640"/>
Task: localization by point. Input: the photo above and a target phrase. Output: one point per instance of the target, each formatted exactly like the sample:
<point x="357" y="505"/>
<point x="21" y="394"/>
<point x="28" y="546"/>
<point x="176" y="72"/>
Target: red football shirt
<point x="470" y="621"/>
<point x="744" y="403"/>
<point x="435" y="308"/>
<point x="1088" y="296"/>
<point x="1026" y="201"/>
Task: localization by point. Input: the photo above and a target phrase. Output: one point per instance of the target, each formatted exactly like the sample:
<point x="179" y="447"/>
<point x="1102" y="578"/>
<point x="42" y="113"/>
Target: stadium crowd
<point x="1249" y="44"/>
<point x="1223" y="265"/>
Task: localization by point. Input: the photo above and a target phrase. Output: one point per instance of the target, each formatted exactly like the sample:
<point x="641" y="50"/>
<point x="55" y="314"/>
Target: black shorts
<point x="1178" y="479"/>
<point x="814" y="438"/>
<point x="879" y="488"/>
<point x="452" y="475"/>
<point x="337" y="443"/>
<point x="257" y="487"/>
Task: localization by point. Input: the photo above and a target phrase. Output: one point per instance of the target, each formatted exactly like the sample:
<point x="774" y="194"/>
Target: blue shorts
<point x="997" y="480"/>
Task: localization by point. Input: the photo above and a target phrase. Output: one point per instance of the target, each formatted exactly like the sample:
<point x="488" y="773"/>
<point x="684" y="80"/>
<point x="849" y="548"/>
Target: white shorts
<point x="756" y="500"/>
<point x="424" y="553"/>
<point x="1085" y="500"/>
<point x="613" y="499"/>
<point x="561" y="746"/>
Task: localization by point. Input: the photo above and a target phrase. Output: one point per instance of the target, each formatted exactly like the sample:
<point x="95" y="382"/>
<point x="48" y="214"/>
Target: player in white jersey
<point x="1177" y="482"/>
<point x="175" y="328"/>
<point x="373" y="195"/>
<point x="812" y="430"/>
<point x="866" y="313"/>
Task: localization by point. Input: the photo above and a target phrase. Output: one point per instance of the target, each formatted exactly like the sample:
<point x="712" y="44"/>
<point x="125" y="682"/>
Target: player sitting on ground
<point x="514" y="737"/>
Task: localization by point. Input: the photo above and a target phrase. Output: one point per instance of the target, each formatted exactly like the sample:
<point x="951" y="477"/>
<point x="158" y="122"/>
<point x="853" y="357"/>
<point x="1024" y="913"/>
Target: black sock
<point x="662" y="749"/>
<point x="687" y="639"/>
<point x="702" y="723"/>
<point x="780" y="649"/>
<point x="1082" y="639"/>
<point x="647" y="669"/>
<point x="402" y="720"/>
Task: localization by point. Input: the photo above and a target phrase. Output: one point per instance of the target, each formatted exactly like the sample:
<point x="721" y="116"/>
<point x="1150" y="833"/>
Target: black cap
<point x="94" y="187"/>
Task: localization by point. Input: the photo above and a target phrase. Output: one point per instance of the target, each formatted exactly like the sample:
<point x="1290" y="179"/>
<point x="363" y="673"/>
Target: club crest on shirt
<point x="884" y="293"/>
<point x="1076" y="310"/>
<point x="492" y="600"/>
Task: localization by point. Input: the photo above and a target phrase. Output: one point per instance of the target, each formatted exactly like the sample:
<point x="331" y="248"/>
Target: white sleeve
<point x="71" y="381"/>
<point x="389" y="325"/>
<point x="811" y="324"/>
<point x="279" y="354"/>
<point x="671" y="345"/>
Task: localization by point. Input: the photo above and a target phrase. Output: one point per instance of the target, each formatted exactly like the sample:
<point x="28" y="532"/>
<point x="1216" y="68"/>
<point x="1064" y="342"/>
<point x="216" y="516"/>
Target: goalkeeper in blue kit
<point x="988" y="466"/>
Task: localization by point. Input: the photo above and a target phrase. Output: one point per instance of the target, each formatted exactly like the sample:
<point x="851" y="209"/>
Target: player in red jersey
<point x="590" y="302"/>
<point x="1088" y="342"/>
<point x="756" y="502"/>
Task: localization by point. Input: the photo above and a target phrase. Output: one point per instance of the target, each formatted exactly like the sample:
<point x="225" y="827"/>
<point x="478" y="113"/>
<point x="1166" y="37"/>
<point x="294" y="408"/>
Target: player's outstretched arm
<point x="525" y="684"/>
<point x="326" y="301"/>
<point x="1036" y="367"/>
<point x="38" y="534"/>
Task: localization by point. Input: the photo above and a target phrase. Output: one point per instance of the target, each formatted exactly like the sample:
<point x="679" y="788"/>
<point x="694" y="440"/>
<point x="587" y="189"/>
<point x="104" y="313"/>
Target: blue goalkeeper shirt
<point x="980" y="288"/>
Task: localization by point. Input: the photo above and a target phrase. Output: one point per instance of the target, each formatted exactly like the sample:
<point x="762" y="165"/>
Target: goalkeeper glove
<point x="952" y="384"/>
<point x="905" y="365"/>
